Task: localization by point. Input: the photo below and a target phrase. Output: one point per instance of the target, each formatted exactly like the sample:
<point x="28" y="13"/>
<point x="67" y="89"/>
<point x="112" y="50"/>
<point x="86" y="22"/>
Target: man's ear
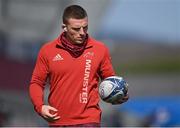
<point x="64" y="27"/>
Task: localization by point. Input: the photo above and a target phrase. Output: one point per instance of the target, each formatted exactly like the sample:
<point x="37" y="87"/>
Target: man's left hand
<point x="124" y="99"/>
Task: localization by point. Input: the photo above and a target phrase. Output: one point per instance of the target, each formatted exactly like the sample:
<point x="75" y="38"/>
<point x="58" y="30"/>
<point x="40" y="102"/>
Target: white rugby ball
<point x="112" y="89"/>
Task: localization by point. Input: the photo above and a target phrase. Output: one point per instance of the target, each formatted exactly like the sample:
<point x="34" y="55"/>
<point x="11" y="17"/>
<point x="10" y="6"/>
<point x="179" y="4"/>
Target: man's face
<point x="77" y="30"/>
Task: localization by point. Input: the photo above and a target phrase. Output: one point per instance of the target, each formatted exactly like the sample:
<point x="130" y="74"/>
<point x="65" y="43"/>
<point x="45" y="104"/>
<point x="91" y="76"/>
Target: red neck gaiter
<point x="74" y="49"/>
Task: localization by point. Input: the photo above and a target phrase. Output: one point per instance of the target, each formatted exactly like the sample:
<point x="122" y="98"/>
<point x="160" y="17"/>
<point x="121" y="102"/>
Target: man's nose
<point x="81" y="31"/>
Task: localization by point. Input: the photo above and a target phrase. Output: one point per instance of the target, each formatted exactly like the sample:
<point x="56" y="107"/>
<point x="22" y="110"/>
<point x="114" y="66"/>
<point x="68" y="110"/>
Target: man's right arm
<point x="36" y="89"/>
<point x="38" y="80"/>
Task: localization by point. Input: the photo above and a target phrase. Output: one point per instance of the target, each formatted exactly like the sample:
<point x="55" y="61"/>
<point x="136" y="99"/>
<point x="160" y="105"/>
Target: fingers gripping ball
<point x="113" y="89"/>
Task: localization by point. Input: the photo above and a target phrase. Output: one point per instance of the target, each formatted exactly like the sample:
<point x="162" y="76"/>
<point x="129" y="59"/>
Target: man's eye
<point x="86" y="27"/>
<point x="76" y="29"/>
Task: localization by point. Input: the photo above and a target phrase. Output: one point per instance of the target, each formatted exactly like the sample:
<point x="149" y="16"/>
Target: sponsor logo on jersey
<point x="84" y="92"/>
<point x="58" y="57"/>
<point x="88" y="55"/>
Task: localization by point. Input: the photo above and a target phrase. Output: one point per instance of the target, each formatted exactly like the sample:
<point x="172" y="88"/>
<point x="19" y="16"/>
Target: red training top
<point x="73" y="81"/>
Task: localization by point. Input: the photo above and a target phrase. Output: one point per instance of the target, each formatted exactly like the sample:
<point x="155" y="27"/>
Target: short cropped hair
<point x="73" y="11"/>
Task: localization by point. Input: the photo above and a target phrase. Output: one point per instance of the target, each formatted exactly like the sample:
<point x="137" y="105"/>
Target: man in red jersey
<point x="73" y="63"/>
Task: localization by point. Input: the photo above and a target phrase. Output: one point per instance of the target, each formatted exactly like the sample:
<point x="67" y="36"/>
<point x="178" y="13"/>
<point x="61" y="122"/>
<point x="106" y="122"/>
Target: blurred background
<point x="144" y="41"/>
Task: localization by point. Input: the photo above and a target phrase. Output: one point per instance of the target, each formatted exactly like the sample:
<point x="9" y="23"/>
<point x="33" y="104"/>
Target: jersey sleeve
<point x="38" y="81"/>
<point x="106" y="68"/>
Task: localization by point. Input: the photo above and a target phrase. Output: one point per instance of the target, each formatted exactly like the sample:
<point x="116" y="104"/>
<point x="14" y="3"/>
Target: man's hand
<point x="124" y="99"/>
<point x="49" y="113"/>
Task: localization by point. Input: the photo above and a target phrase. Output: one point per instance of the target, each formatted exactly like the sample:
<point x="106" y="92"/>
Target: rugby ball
<point x="112" y="89"/>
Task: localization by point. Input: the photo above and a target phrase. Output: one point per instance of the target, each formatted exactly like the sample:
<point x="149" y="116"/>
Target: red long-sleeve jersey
<point x="73" y="81"/>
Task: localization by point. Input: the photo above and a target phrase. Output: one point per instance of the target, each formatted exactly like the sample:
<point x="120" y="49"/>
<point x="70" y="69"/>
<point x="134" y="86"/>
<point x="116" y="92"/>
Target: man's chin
<point x="79" y="42"/>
